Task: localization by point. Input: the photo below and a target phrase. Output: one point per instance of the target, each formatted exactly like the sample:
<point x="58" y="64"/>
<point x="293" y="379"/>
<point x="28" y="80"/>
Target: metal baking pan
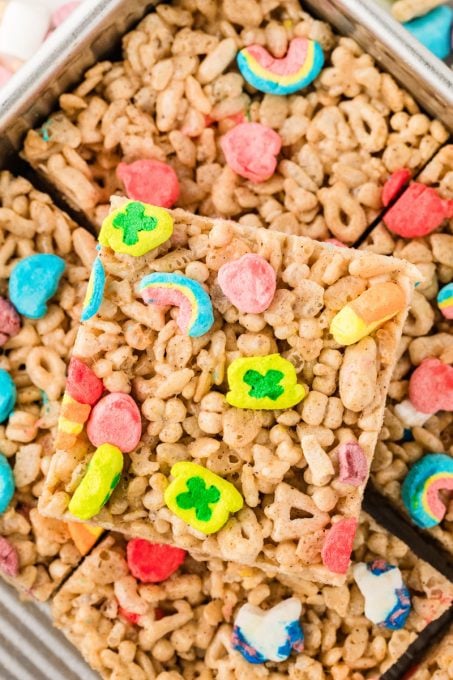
<point x="94" y="30"/>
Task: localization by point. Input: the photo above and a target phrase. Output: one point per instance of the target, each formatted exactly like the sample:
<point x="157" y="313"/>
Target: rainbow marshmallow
<point x="95" y="291"/>
<point x="420" y="490"/>
<point x="195" y="316"/>
<point x="370" y="310"/>
<point x="84" y="536"/>
<point x="445" y="301"/>
<point x="301" y="65"/>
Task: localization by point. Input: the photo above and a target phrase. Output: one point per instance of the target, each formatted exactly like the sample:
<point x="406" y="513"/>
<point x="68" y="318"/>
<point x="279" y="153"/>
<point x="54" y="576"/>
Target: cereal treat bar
<point x="438" y="665"/>
<point x="229" y="385"/>
<point x="221" y="620"/>
<point x="419" y="420"/>
<point x="45" y="262"/>
<point x="249" y="110"/>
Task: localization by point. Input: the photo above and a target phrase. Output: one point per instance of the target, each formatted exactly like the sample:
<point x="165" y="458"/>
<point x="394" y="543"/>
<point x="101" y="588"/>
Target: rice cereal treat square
<point x="129" y="622"/>
<point x="206" y="386"/>
<point x="37" y="332"/>
<point x="438" y="664"/>
<point x="197" y="114"/>
<point x="419" y="418"/>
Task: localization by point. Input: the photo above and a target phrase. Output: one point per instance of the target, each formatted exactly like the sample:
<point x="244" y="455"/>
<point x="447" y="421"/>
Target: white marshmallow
<point x="410" y="416"/>
<point x="379" y="591"/>
<point x="23" y="28"/>
<point x="267" y="631"/>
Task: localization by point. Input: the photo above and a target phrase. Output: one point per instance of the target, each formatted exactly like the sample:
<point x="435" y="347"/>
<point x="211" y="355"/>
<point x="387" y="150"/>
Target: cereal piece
<point x="353" y="463"/>
<point x="9" y="558"/>
<point x="251" y="150"/>
<point x="409" y="415"/>
<point x="445" y="301"/>
<point x="367" y="312"/>
<point x="136" y="228"/>
<point x="7" y="484"/>
<point x="419" y="211"/>
<point x="84" y="536"/>
<point x="82" y="384"/>
<point x="152" y="562"/>
<point x="358" y="375"/>
<point x="195" y="316"/>
<point x="433" y="30"/>
<point x="387" y="599"/>
<point x="95" y="291"/>
<point x="201" y="498"/>
<point x="337" y="547"/>
<point x="394" y="185"/>
<point x="267" y="382"/>
<point x="150" y="181"/>
<point x="73" y="417"/>
<point x="297" y="69"/>
<point x="102" y="476"/>
<point x="8" y="395"/>
<point x="420" y="490"/>
<point x="249" y="283"/>
<point x="116" y="420"/>
<point x="431" y="387"/>
<point x="318" y="461"/>
<point x="269" y="635"/>
<point x="9" y="321"/>
<point x="34" y="280"/>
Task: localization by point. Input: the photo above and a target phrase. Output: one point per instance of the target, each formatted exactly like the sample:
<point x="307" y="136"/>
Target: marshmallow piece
<point x="409" y="415"/>
<point x="318" y="461"/>
<point x="23" y="28"/>
<point x="268" y="635"/>
<point x="387" y="600"/>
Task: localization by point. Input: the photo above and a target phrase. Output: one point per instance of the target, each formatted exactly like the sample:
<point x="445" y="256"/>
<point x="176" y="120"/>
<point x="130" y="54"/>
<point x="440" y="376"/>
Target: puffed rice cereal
<point x="182" y="628"/>
<point x="36" y="359"/>
<point x="427" y="335"/>
<point x="281" y="465"/>
<point x="177" y="92"/>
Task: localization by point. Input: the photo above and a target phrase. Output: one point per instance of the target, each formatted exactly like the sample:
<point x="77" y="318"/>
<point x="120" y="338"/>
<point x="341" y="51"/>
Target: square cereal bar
<point x="36" y="552"/>
<point x="438" y="664"/>
<point x="291" y="442"/>
<point x="419" y="422"/>
<point x="176" y="93"/>
<point x="183" y="627"/>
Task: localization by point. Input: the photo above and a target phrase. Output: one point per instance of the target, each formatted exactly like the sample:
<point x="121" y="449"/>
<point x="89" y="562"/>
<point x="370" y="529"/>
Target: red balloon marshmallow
<point x="249" y="283"/>
<point x="9" y="321"/>
<point x="431" y="387"/>
<point x="153" y="562"/>
<point x="150" y="181"/>
<point x="251" y="150"/>
<point x="337" y="546"/>
<point x="82" y="384"/>
<point x="115" y="420"/>
<point x="418" y="212"/>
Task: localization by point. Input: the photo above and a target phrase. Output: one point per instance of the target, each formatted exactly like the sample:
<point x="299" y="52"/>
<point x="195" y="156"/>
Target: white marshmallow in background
<point x="24" y="25"/>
